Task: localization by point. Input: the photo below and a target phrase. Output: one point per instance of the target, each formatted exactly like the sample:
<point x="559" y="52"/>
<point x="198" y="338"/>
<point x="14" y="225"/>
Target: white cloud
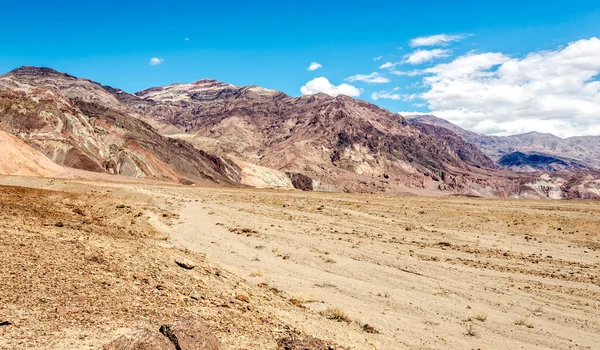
<point x="377" y="58"/>
<point x="411" y="113"/>
<point x="412" y="73"/>
<point x="421" y="56"/>
<point x="322" y="84"/>
<point x="393" y="95"/>
<point x="156" y="61"/>
<point x="373" y="78"/>
<point x="387" y="65"/>
<point x="434" y="40"/>
<point x="385" y="95"/>
<point x="554" y="91"/>
<point x="314" y="66"/>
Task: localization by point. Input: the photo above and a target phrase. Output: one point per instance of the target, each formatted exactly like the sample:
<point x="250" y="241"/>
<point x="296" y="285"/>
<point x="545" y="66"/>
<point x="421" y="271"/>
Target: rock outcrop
<point x="339" y="143"/>
<point x="89" y="129"/>
<point x="190" y="334"/>
<point x="141" y="339"/>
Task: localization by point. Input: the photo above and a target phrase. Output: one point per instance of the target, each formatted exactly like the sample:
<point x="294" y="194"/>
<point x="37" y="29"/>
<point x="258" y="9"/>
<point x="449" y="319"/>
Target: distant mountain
<point x="209" y="131"/>
<point x="579" y="151"/>
<point x="518" y="161"/>
<point x="341" y="143"/>
<point x="79" y="124"/>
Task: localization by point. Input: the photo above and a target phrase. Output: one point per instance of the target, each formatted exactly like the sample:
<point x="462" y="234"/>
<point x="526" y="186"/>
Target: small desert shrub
<point x="335" y="313"/>
<point x="470" y="330"/>
<point x="310" y="298"/>
<point x="479" y="317"/>
<point x="523" y="322"/>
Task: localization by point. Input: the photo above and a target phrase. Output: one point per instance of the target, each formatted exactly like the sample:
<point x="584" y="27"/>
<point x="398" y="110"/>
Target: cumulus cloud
<point x="435" y="40"/>
<point x="387" y="65"/>
<point x="156" y="61"/>
<point x="393" y="95"/>
<point x="322" y="84"/>
<point x="421" y="56"/>
<point x="314" y="66"/>
<point x="554" y="91"/>
<point x="377" y="58"/>
<point x="373" y="78"/>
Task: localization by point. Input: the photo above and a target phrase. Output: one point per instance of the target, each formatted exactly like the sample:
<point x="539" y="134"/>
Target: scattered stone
<point x="296" y="342"/>
<point x="286" y="257"/>
<point x="5" y="323"/>
<point x="369" y="329"/>
<point x="190" y="334"/>
<point x="243" y="298"/>
<point x="185" y="263"/>
<point x="141" y="339"/>
<point x="297" y="303"/>
<point x="62" y="311"/>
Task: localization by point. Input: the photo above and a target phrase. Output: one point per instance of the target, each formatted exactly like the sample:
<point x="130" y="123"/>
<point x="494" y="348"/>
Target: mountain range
<point x="573" y="153"/>
<point x="213" y="132"/>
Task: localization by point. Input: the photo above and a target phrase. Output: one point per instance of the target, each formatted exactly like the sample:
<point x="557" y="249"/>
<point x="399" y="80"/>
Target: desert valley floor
<point x="84" y="262"/>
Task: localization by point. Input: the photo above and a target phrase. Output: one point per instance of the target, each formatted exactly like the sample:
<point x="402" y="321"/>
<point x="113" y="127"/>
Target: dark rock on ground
<point x="191" y="334"/>
<point x="141" y="339"/>
<point x="296" y="342"/>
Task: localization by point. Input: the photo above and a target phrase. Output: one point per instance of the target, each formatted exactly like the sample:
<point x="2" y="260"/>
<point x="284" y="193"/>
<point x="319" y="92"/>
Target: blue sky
<point x="272" y="44"/>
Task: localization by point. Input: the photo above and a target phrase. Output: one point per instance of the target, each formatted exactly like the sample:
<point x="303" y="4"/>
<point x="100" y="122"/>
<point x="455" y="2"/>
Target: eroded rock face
<point x="88" y="128"/>
<point x="301" y="182"/>
<point x="141" y="339"/>
<point x="191" y="334"/>
<point x="339" y="142"/>
<point x="249" y="135"/>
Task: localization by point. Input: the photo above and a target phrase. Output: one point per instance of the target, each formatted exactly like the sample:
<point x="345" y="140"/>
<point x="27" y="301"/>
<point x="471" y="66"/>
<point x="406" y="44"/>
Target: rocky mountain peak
<point x="39" y="72"/>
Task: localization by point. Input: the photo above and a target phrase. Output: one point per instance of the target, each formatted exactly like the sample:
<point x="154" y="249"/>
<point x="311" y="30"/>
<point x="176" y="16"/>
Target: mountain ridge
<point x="249" y="135"/>
<point x="583" y="149"/>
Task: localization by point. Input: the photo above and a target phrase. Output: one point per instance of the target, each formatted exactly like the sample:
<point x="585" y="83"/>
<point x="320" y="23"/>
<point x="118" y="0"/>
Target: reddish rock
<point x="191" y="334"/>
<point x="141" y="339"/>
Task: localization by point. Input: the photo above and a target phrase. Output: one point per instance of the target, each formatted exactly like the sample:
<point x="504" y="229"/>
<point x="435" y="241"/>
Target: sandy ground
<point x="426" y="273"/>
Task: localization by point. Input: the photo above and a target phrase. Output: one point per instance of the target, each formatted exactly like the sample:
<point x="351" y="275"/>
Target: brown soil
<point x="83" y="263"/>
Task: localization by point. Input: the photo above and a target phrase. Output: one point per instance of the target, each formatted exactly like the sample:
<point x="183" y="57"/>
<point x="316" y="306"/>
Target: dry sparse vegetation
<point x="256" y="273"/>
<point x="478" y="317"/>
<point x="523" y="322"/>
<point x="335" y="313"/>
<point x="307" y="298"/>
<point x="471" y="331"/>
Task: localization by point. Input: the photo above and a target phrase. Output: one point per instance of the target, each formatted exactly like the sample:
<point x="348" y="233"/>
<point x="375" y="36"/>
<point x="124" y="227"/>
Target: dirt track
<point x="421" y="271"/>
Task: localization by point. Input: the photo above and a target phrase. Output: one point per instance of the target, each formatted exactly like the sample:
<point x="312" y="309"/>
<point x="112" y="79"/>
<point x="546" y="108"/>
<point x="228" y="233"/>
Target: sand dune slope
<point x="18" y="158"/>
